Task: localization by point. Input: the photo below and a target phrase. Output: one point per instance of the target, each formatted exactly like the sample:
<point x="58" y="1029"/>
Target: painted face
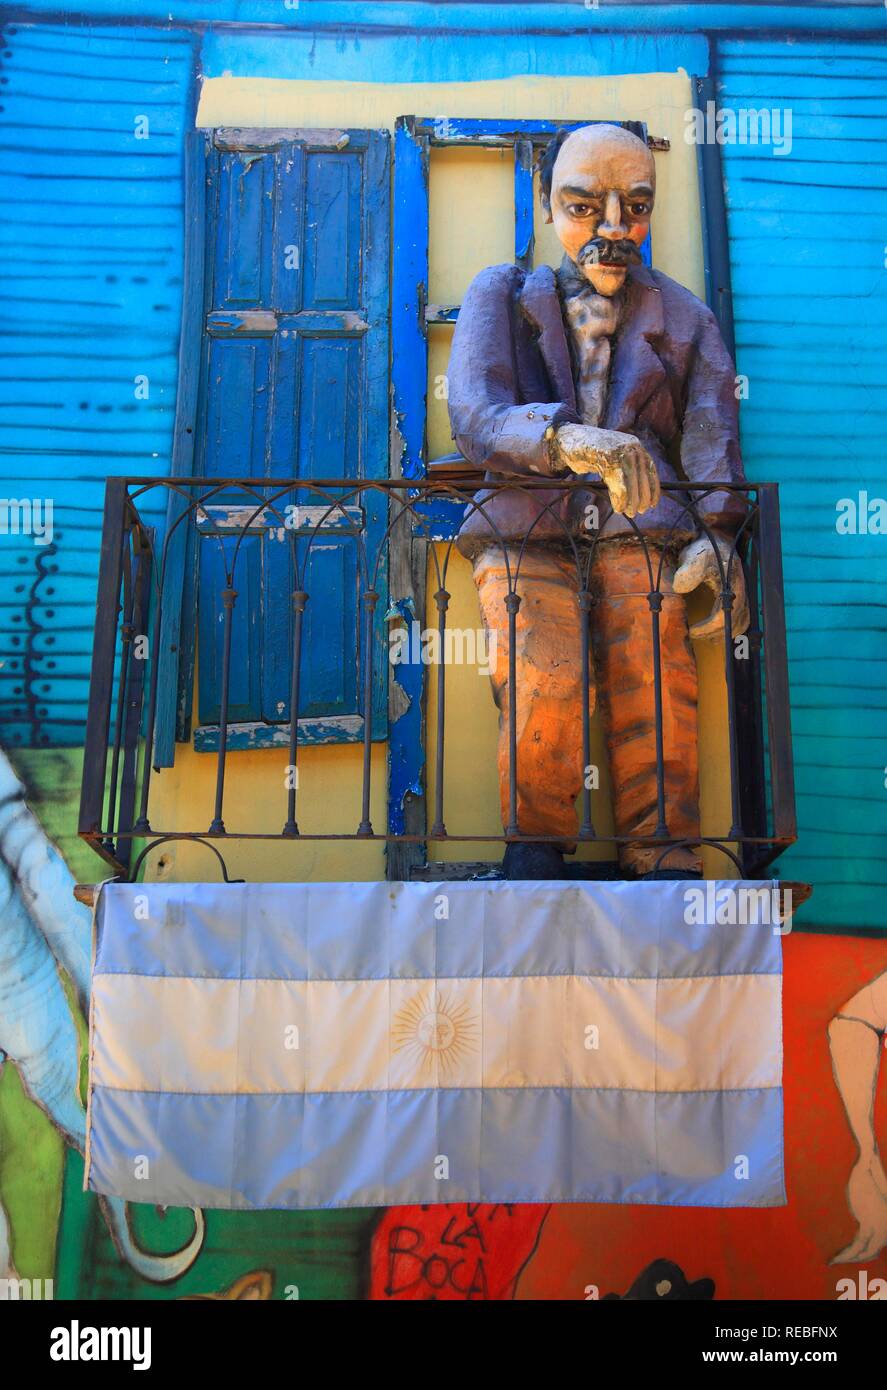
<point x="602" y="192"/>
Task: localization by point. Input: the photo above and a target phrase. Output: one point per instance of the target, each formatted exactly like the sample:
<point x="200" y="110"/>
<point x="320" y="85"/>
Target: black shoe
<point x="533" y="861"/>
<point x="672" y="875"/>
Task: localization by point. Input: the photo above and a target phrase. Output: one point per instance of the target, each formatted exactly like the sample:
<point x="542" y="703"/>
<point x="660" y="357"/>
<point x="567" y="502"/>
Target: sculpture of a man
<point x="606" y="368"/>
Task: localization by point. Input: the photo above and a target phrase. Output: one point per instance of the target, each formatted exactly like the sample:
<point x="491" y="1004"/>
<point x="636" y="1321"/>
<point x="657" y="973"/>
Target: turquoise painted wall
<point x="91" y="267"/>
<point x="461" y="16"/>
<point x="807" y="242"/>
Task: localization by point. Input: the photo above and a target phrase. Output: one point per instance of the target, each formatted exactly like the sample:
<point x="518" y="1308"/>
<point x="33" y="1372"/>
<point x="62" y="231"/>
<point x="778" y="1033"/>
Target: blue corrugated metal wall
<point x="807" y="241"/>
<point x="91" y="298"/>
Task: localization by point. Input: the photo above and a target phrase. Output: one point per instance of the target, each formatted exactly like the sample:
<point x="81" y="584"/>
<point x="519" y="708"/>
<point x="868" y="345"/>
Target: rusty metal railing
<point x="131" y="670"/>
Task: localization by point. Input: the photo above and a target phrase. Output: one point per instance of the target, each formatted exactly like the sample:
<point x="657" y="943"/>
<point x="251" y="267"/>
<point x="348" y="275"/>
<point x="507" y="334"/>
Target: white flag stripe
<point x="255" y="1036"/>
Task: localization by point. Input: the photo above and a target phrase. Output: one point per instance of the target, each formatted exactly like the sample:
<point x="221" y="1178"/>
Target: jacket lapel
<point x="636" y="371"/>
<point x="540" y="303"/>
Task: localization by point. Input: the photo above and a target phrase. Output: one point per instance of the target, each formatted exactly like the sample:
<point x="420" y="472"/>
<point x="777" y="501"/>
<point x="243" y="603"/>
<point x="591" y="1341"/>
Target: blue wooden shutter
<point x="295" y="384"/>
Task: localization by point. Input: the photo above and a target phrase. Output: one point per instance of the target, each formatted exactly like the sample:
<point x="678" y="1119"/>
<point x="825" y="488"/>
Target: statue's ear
<point x="546" y="206"/>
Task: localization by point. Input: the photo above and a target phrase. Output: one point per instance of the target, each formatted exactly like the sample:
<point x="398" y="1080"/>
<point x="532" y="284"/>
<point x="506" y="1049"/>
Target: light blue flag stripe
<point x="711" y="1149"/>
<point x="365" y="931"/>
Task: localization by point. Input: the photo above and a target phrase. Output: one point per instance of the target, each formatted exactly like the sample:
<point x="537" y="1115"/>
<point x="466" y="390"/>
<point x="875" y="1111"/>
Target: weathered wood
<point x="441" y="313"/>
<point x="454" y="468"/>
<point x="496" y="134"/>
<point x="715" y="243"/>
<point x="407" y="559"/>
<point x="264" y="323"/>
<point x="782" y="777"/>
<point x="134" y="702"/>
<point x="524" y="236"/>
<point x="792" y="895"/>
<point x="101" y="681"/>
<point x="342" y="728"/>
<point x="289" y="236"/>
<point x="748" y="676"/>
<point x="235" y="138"/>
<point x="176" y="639"/>
<point x="453" y="870"/>
<point x="250" y="322"/>
<point x="219" y="517"/>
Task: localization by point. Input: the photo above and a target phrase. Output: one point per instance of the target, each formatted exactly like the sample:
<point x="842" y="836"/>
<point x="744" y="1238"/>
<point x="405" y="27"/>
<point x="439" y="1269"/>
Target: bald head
<point x="600" y="198"/>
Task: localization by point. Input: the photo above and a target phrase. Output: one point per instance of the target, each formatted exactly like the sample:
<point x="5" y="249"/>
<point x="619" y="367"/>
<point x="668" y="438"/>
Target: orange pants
<point x="550" y="770"/>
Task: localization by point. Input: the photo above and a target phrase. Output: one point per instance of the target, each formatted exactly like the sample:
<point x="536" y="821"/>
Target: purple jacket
<point x="672" y="384"/>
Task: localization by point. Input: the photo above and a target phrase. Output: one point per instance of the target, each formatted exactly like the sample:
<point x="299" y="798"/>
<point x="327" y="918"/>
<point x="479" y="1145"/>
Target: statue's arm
<point x="710" y="434"/>
<point x="710" y="453"/>
<point x="491" y="426"/>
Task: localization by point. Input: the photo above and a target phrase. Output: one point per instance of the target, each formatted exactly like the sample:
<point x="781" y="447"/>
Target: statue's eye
<point x="580" y="209"/>
<point x="639" y="209"/>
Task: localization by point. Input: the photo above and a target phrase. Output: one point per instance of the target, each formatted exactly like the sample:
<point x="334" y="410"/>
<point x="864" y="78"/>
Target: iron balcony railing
<point x="153" y="528"/>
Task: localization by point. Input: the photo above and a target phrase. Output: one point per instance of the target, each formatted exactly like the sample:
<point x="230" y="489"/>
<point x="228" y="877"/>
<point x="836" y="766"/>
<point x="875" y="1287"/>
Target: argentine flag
<point x="377" y="1044"/>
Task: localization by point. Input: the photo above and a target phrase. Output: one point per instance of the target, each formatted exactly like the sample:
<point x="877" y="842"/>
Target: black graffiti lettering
<point x="479" y="1288"/>
<point x="460" y="1288"/>
<point x="433" y="1262"/>
<point x="470" y="1232"/>
<point x="411" y="1269"/>
<point x="402" y="1245"/>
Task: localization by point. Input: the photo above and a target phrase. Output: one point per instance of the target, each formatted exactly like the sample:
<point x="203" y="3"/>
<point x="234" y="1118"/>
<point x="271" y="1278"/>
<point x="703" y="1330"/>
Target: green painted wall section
<point x="322" y="1254"/>
<point x="32" y="1154"/>
<point x="31" y="1164"/>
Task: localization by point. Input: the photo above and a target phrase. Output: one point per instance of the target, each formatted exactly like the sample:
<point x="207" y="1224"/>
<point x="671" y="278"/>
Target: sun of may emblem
<point x="435" y="1030"/>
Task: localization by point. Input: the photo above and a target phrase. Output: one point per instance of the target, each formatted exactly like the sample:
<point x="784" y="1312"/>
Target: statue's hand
<point x="697" y="564"/>
<point x="619" y="459"/>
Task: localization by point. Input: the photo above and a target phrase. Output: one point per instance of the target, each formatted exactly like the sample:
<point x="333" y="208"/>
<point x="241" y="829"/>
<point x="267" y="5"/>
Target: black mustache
<point x="600" y="251"/>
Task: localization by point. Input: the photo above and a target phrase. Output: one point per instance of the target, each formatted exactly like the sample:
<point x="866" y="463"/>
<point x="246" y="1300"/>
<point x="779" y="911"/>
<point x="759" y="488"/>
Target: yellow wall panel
<point x="660" y="99"/>
<point x="328" y="803"/>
